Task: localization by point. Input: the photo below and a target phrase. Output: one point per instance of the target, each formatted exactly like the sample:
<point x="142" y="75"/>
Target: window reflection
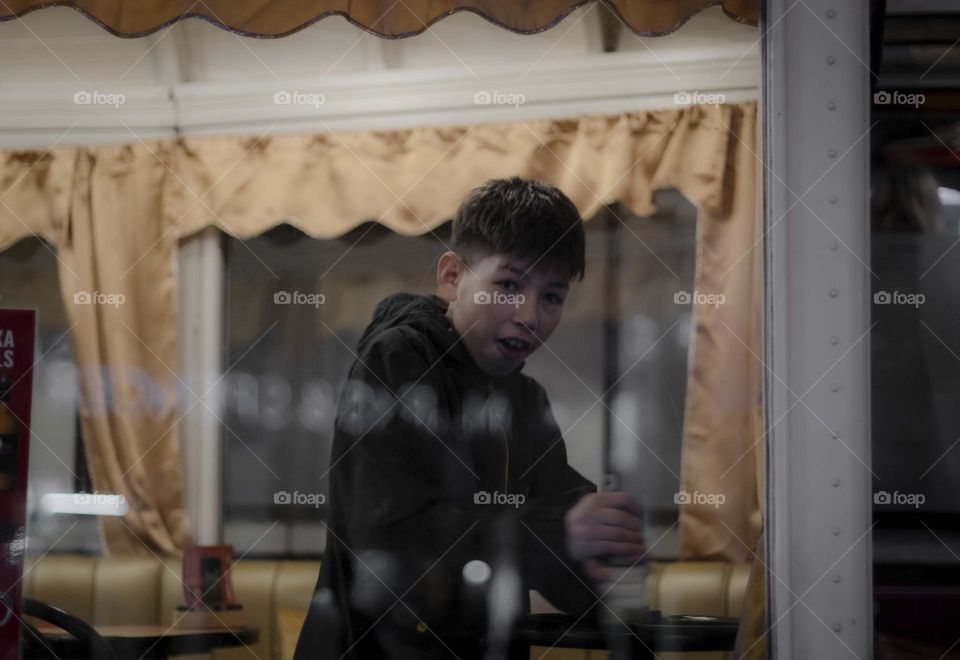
<point x="915" y="362"/>
<point x="289" y="363"/>
<point x="29" y="280"/>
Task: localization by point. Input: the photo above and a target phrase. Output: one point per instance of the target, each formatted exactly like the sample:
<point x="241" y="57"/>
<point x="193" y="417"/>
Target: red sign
<point x="17" y="327"/>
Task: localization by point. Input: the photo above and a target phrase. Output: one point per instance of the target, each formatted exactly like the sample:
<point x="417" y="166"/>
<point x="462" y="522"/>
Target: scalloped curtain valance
<point x="390" y="19"/>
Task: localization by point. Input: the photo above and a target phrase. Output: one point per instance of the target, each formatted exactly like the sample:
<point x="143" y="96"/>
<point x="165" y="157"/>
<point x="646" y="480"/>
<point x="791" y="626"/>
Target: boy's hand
<point x="604" y="524"/>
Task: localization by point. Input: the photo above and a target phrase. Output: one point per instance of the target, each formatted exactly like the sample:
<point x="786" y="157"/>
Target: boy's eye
<point x="509" y="285"/>
<point x="554" y="299"/>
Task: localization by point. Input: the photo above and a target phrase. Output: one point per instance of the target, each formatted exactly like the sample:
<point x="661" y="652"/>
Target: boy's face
<point x="502" y="311"/>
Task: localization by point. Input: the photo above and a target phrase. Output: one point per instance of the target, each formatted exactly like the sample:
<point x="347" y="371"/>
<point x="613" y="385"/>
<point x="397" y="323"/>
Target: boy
<point x="446" y="459"/>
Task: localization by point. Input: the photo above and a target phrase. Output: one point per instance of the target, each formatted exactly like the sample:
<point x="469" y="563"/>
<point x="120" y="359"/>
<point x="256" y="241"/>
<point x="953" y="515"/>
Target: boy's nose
<point x="526" y="314"/>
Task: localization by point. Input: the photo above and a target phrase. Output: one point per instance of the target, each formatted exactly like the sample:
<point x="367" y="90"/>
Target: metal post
<point x="815" y="113"/>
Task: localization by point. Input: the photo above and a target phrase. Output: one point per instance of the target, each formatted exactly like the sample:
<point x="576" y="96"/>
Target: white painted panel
<point x="466" y="40"/>
<point x="332" y="45"/>
<point x="710" y="29"/>
<point x="60" y="45"/>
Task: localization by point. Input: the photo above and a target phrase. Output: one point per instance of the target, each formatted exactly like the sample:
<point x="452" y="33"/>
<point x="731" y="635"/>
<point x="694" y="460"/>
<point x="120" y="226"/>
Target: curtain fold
<point x="115" y="278"/>
<point x="127" y="206"/>
<point x="723" y="421"/>
<point x="412" y="180"/>
<point x="385" y="18"/>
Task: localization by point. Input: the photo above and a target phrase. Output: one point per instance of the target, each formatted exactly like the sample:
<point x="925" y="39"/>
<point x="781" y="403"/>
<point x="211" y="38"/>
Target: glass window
<point x="29" y="279"/>
<point x="623" y="339"/>
<point x="915" y="343"/>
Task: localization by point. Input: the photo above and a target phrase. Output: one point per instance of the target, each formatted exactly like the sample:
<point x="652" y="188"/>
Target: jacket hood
<point x="427" y="315"/>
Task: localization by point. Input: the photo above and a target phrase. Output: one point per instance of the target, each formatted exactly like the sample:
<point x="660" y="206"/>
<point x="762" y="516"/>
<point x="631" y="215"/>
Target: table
<point x="670" y="633"/>
<point x="153" y="641"/>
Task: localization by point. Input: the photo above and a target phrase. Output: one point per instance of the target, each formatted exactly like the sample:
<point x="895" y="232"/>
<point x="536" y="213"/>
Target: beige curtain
<point x="386" y="18"/>
<point x="100" y="208"/>
<point x="115" y="213"/>
<point x="723" y="420"/>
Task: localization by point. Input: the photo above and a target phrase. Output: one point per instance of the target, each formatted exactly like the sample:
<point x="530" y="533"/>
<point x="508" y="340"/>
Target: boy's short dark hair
<point x="523" y="219"/>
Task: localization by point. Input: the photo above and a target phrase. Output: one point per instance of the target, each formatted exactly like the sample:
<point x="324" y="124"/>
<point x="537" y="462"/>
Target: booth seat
<point x="275" y="595"/>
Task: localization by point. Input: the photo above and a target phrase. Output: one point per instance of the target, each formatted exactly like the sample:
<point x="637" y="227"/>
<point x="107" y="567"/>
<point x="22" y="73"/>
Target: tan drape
<point x="723" y="421"/>
<point x="386" y="18"/>
<point x="100" y="208"/>
<point x="129" y="204"/>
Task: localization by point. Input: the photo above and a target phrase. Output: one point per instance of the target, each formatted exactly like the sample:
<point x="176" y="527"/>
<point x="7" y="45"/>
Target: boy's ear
<point x="450" y="269"/>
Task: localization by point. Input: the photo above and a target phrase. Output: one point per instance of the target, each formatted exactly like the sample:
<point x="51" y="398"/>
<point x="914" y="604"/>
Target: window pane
<point x="287" y="362"/>
<point x="29" y="280"/>
<point x="915" y="343"/>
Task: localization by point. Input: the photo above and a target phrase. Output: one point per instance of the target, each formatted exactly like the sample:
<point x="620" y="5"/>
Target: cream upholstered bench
<point x="275" y="595"/>
<point x="135" y="590"/>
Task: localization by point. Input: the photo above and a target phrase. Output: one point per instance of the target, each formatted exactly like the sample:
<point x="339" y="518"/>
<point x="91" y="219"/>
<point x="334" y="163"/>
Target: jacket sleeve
<point x="556" y="487"/>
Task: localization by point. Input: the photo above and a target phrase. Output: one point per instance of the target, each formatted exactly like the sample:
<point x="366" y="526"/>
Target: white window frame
<point x="200" y="354"/>
<point x="815" y="115"/>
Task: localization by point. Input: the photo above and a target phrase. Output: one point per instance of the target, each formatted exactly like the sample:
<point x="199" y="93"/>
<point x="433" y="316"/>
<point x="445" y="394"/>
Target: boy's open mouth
<point x="513" y="348"/>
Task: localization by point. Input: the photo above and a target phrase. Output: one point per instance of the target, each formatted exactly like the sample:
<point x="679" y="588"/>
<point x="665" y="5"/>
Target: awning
<point x="391" y="19"/>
